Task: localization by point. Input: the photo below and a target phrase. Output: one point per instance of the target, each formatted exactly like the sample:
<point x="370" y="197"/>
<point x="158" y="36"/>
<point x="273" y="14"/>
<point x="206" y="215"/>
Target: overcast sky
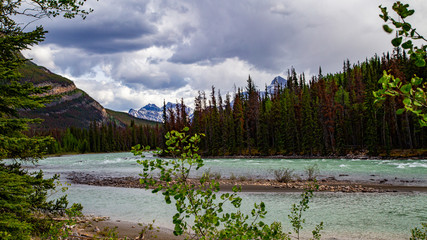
<point x="129" y="53"/>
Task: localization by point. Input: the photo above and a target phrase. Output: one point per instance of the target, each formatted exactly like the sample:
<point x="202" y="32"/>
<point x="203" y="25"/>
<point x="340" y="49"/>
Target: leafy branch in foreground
<point x="414" y="91"/>
<point x="405" y="33"/>
<point x="199" y="205"/>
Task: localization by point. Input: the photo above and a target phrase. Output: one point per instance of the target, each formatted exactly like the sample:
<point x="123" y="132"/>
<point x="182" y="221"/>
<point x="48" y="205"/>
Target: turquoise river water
<point x="345" y="215"/>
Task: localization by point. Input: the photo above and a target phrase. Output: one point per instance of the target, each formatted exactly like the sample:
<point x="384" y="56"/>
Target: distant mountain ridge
<point x="154" y="113"/>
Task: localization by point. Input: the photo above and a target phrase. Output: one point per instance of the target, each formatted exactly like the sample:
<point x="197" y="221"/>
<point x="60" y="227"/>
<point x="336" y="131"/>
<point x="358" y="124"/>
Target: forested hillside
<point x="331" y="114"/>
<point x="70" y="106"/>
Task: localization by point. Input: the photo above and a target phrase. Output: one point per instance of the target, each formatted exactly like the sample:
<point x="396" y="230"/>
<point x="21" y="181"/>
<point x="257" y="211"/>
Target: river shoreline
<point x="394" y="154"/>
<point x="98" y="227"/>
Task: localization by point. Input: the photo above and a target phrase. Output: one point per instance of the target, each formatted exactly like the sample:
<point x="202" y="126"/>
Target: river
<point x="345" y="215"/>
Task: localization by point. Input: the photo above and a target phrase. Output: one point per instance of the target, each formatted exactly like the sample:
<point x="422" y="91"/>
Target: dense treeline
<point x="103" y="137"/>
<point x="326" y="115"/>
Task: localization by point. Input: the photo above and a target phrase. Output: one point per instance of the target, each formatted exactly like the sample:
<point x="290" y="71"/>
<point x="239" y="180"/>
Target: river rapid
<point x="345" y="215"/>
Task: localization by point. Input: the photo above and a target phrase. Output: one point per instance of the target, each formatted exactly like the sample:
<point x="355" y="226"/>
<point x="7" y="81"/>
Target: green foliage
<point x="199" y="205"/>
<point x="414" y="91"/>
<point x="405" y="33"/>
<point x="102" y="137"/>
<point x="297" y="209"/>
<point x="14" y="95"/>
<point x="419" y="233"/>
<point x="25" y="211"/>
<point x="148" y="230"/>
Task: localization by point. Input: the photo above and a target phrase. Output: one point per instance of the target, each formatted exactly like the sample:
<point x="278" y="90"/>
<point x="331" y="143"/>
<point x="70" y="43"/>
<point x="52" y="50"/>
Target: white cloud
<point x="43" y="55"/>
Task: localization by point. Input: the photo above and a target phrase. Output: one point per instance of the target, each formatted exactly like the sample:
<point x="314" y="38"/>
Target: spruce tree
<point x="308" y="140"/>
<point x="23" y="195"/>
<point x="238" y="122"/>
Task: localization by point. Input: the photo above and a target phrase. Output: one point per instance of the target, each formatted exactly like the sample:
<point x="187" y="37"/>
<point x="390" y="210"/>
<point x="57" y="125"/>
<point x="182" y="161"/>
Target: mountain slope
<point x="71" y="106"/>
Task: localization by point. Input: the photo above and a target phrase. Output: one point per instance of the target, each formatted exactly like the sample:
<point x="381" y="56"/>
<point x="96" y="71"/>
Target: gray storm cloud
<point x="169" y="45"/>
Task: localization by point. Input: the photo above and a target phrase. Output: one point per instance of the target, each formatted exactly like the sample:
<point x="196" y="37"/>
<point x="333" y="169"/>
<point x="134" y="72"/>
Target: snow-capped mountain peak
<point x="152" y="112"/>
<point x="150" y="107"/>
<point x="277" y="81"/>
<point x="149" y="112"/>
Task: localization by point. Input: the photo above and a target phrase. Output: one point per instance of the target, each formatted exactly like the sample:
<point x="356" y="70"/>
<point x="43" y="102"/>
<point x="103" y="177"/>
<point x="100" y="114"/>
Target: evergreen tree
<point x="229" y="135"/>
<point x="238" y="122"/>
<point x="23" y="195"/>
<point x="251" y="115"/>
<point x="308" y="138"/>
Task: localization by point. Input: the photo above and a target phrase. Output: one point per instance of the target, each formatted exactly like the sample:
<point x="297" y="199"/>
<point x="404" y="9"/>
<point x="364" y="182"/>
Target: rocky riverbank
<point x="258" y="185"/>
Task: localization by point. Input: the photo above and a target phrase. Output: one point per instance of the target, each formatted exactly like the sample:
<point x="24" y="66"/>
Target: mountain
<point x="153" y="113"/>
<point x="71" y="107"/>
<point x="277" y="81"/>
<point x="149" y="112"/>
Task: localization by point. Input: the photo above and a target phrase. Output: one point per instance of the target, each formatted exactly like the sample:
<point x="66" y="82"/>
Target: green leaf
<point x="418" y="112"/>
<point x="376" y="95"/>
<point x="406" y="26"/>
<point x="400" y="111"/>
<point x="396" y="41"/>
<point x="397" y="24"/>
<point x="420" y="62"/>
<point x="384" y="14"/>
<point x="407" y="44"/>
<point x="387" y="28"/>
<point x="416" y="81"/>
<point x="416" y="103"/>
<point x="406" y="88"/>
<point x="407" y="101"/>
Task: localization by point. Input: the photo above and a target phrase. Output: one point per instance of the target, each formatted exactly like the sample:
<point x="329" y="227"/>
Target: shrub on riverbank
<point x="284" y="175"/>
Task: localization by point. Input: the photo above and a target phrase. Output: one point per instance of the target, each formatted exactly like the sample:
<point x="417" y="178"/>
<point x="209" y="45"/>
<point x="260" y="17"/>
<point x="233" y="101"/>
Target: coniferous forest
<point x="331" y="114"/>
<point x="101" y="137"/>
